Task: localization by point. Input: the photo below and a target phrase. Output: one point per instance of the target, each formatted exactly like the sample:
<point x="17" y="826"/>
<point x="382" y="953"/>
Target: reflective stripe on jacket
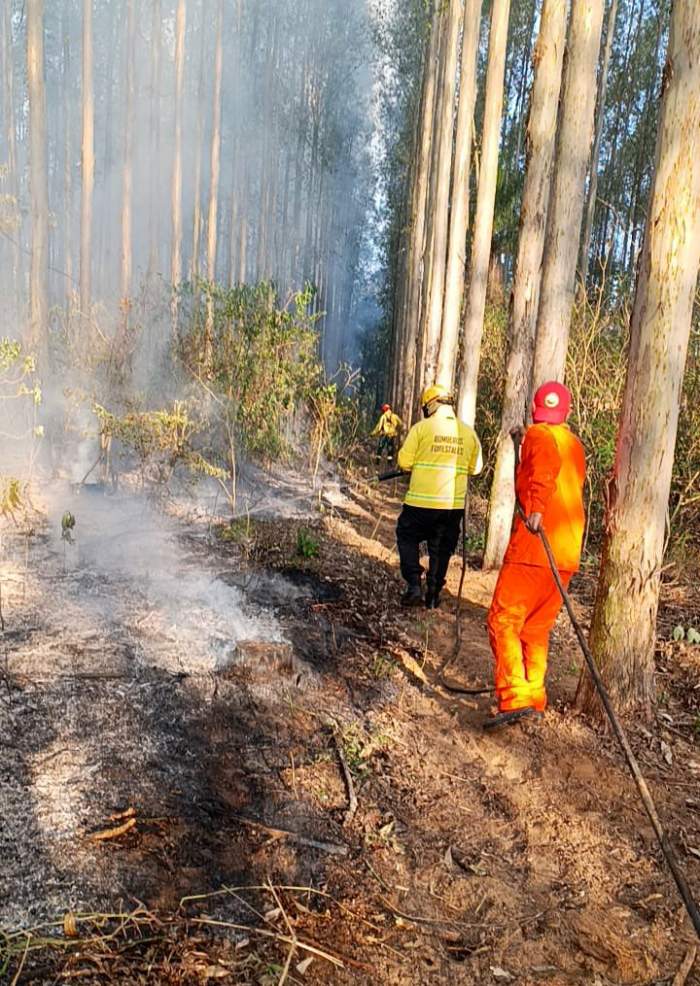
<point x="441" y="452"/>
<point x="550" y="481"/>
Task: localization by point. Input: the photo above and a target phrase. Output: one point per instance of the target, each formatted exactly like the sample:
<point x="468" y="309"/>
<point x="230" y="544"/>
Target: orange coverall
<point x="526" y="600"/>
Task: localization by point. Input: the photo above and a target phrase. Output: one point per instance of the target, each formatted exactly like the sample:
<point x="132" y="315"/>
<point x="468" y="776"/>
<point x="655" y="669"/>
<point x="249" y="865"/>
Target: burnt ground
<point x="197" y="698"/>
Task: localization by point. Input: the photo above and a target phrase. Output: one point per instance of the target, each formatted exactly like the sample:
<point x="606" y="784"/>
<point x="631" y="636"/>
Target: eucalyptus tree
<point x="623" y="635"/>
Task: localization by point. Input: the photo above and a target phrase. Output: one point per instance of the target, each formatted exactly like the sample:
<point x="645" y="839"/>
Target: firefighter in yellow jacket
<point x="440" y="452"/>
<point x="386" y="430"/>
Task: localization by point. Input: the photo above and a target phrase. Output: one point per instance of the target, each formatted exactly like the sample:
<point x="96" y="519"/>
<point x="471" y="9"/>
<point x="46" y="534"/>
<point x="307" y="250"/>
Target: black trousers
<point x="440" y="528"/>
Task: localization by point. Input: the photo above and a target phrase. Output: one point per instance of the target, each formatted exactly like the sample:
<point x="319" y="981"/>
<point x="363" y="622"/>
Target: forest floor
<point x="187" y="716"/>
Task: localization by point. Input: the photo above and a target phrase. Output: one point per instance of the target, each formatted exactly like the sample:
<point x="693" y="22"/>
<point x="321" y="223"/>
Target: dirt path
<point x="221" y="688"/>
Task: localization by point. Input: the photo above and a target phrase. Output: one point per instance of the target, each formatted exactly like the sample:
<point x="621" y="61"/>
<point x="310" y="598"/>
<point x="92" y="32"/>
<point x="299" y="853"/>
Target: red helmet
<point x="551" y="404"/>
<point x="386" y="407"/>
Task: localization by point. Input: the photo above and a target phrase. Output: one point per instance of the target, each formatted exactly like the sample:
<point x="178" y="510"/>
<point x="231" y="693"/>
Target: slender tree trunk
<point x="566" y="207"/>
<point x="438" y="220"/>
<point x="485" y="203"/>
<point x="215" y="169"/>
<point x="176" y="185"/>
<point x="197" y="213"/>
<point x="624" y="619"/>
<point x="8" y="76"/>
<point x="67" y="164"/>
<point x="37" y="340"/>
<point x="595" y="155"/>
<point x="459" y="211"/>
<point x="408" y="331"/>
<point x="154" y="213"/>
<point x="541" y="138"/>
<point x="644" y="137"/>
<point x="128" y="164"/>
<point x="215" y="149"/>
<point x="107" y="198"/>
<point x="87" y="163"/>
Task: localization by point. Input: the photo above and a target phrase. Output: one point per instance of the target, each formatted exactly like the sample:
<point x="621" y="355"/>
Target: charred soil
<point x="291" y="795"/>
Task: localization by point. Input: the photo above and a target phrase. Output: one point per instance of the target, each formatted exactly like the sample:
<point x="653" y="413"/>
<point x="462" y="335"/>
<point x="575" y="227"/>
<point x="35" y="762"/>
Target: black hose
<point x="392" y="474"/>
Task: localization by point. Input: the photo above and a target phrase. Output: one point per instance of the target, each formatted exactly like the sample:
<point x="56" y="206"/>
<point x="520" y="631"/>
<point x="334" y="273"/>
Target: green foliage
<point x="690" y="635"/>
<point x="307" y="545"/>
<point x="12" y="497"/>
<point x="160" y="441"/>
<point x="490" y="392"/>
<point x="256" y="361"/>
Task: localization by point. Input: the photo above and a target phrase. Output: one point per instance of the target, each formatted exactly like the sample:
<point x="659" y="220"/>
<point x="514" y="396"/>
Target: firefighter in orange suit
<point x="549" y="488"/>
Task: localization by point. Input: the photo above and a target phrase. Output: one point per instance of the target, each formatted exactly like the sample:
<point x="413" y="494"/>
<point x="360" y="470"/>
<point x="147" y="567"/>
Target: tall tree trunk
<point x="410" y="318"/>
<point x="107" y="199"/>
<point x="624" y="618"/>
<point x="154" y="214"/>
<point x="215" y="160"/>
<point x="87" y="163"/>
<point x="176" y="185"/>
<point x="459" y="210"/>
<point x="595" y="154"/>
<point x="67" y="164"/>
<point x="37" y="339"/>
<point x="438" y="217"/>
<point x="128" y="163"/>
<point x="197" y="211"/>
<point x="8" y="77"/>
<point x="566" y="206"/>
<point x="485" y="203"/>
<point x="215" y="169"/>
<point x="541" y="138"/>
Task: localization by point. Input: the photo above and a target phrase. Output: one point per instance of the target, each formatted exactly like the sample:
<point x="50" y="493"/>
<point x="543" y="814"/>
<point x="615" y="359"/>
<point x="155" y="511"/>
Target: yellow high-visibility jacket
<point x="389" y="424"/>
<point x="441" y="452"/>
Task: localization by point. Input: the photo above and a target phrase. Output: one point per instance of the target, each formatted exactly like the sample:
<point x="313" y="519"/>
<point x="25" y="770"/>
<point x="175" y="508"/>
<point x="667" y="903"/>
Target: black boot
<point x="502" y="719"/>
<point x="412" y="596"/>
<point x="432" y="596"/>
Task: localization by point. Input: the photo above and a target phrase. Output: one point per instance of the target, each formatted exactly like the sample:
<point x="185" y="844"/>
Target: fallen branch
<point x="334" y="848"/>
<point x="113" y="833"/>
<point x="352" y="797"/>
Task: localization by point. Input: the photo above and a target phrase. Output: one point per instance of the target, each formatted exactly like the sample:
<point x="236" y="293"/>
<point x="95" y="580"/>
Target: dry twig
<point x="685" y="967"/>
<point x="352" y="797"/>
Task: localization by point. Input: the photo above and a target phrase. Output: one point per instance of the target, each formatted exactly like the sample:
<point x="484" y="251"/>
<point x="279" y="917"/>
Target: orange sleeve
<point x="540" y="463"/>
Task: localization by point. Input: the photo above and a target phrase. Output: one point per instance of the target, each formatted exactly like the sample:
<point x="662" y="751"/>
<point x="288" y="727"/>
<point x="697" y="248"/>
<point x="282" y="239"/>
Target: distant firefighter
<point x="549" y="487"/>
<point x="386" y="430"/>
<point x="440" y="452"/>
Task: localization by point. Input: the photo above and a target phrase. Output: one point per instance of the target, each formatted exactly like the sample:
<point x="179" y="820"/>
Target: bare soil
<point x="182" y="735"/>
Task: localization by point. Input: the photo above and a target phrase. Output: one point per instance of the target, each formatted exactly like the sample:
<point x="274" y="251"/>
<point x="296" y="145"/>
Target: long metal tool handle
<point x="644" y="792"/>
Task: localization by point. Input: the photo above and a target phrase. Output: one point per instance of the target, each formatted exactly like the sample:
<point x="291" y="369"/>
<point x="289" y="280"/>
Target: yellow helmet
<point x="435" y="392"/>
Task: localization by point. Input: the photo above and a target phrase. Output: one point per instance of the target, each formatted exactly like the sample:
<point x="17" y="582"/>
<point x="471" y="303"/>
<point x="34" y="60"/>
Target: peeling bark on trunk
<point x="483" y="221"/>
<point x="566" y="206"/>
<point x="541" y="138"/>
<point x="623" y="631"/>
